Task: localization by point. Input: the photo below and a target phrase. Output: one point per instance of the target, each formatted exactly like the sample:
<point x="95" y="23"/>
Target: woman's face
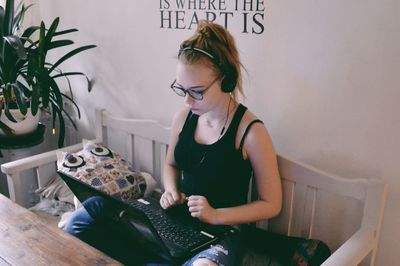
<point x="201" y="78"/>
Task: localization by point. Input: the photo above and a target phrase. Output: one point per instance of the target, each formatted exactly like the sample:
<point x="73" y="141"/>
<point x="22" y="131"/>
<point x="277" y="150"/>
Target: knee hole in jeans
<point x="204" y="262"/>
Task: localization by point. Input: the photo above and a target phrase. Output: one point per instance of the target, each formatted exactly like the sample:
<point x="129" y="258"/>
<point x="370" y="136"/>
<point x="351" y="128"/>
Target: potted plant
<point x="28" y="81"/>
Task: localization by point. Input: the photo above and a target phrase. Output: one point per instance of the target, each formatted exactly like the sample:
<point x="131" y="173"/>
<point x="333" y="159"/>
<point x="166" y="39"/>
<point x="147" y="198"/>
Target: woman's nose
<point x="188" y="99"/>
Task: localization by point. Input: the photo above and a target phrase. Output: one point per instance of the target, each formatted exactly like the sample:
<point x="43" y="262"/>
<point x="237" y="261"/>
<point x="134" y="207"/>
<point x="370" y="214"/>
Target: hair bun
<point x="203" y="30"/>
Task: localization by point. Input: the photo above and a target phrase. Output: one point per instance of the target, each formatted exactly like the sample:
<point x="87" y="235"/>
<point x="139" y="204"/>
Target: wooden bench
<point x="27" y="240"/>
<point x="345" y="213"/>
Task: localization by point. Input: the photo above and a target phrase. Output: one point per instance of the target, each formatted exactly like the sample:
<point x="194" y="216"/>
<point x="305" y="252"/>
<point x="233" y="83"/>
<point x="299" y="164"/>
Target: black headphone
<point x="229" y="81"/>
<point x="228" y="71"/>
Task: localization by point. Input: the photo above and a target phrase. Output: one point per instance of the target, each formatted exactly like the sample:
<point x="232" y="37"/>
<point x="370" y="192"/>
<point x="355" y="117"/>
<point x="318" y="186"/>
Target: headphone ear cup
<point x="229" y="82"/>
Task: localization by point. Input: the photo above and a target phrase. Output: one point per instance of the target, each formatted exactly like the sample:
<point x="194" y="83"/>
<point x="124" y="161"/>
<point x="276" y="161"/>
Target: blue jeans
<point x="99" y="225"/>
<point x="225" y="253"/>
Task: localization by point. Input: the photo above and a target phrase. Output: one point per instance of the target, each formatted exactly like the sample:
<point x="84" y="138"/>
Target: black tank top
<point x="216" y="171"/>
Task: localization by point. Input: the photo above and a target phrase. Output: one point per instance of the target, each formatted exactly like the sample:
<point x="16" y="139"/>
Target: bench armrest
<point x="354" y="250"/>
<point x="38" y="163"/>
<point x="37" y="160"/>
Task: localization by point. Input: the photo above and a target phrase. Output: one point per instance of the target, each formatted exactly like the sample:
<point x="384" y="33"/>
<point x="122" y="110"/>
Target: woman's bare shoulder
<point x="256" y="137"/>
<point x="256" y="129"/>
<point x="180" y="117"/>
<point x="247" y="118"/>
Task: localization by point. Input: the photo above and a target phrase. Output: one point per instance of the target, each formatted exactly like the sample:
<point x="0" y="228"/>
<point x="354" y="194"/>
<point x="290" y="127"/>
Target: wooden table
<point x="26" y="240"/>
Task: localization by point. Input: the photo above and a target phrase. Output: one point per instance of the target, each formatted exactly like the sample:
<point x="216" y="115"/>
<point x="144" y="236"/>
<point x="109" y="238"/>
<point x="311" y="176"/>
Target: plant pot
<point x="26" y="124"/>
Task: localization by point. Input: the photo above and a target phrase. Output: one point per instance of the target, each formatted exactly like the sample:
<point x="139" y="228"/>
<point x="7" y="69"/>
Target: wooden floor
<point x="26" y="240"/>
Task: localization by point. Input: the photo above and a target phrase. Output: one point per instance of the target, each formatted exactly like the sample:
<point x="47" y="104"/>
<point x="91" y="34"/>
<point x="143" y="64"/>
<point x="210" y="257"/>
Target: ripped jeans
<point x="226" y="253"/>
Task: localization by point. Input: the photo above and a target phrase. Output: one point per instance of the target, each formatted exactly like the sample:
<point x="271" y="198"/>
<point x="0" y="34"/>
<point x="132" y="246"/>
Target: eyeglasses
<point x="197" y="95"/>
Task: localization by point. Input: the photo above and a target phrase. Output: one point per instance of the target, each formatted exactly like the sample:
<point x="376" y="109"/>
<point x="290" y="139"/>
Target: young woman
<point x="216" y="146"/>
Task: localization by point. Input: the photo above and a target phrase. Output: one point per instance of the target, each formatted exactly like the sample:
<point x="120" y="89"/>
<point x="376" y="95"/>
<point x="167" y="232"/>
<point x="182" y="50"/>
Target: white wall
<point x="324" y="76"/>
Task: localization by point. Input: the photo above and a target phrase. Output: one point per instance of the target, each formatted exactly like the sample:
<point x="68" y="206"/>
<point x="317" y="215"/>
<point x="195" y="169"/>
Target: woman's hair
<point x="215" y="43"/>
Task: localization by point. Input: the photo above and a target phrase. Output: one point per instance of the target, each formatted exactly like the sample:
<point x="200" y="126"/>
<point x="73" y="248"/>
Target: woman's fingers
<point x="201" y="209"/>
<point x="196" y="204"/>
<point x="169" y="199"/>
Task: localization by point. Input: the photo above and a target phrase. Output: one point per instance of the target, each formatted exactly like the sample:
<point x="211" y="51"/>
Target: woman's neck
<point x="219" y="117"/>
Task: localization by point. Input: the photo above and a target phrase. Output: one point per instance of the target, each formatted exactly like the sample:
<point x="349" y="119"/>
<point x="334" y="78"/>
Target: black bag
<point x="267" y="248"/>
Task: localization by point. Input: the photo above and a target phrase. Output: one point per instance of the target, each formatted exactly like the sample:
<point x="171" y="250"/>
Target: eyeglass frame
<point x="189" y="91"/>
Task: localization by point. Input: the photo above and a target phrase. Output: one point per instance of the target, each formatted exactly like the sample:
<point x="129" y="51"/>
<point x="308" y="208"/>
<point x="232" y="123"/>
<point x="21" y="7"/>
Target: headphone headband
<point x="182" y="49"/>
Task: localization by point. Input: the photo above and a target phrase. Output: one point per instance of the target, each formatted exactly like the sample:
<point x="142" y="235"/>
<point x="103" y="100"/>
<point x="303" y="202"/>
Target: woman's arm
<point x="171" y="173"/>
<point x="259" y="150"/>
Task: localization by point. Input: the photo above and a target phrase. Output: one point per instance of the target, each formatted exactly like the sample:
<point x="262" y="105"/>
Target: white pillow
<point x="56" y="189"/>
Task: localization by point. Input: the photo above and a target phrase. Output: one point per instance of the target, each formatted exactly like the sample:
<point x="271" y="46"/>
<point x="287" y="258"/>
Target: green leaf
<point x="56" y="113"/>
<point x="50" y="33"/>
<point x="27" y="33"/>
<point x="54" y="109"/>
<point x="20" y="97"/>
<point x="8" y="18"/>
<point x="19" y="18"/>
<point x="66" y="77"/>
<point x="63" y="74"/>
<point x="35" y="99"/>
<point x="33" y="64"/>
<point x="56" y="90"/>
<point x="61" y="134"/>
<point x="70" y="54"/>
<point x="25" y="89"/>
<point x="64" y="113"/>
<point x="59" y="43"/>
<point x="8" y="99"/>
<point x="45" y="89"/>
<point x="16" y="44"/>
<point x="2" y="14"/>
<point x="2" y="66"/>
<point x="65" y="32"/>
<point x="41" y="48"/>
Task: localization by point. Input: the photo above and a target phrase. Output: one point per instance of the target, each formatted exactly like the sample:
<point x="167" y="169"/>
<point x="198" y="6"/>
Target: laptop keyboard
<point x="170" y="228"/>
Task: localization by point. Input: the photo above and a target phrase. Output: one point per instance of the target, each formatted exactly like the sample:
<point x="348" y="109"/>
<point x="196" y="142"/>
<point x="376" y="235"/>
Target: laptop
<point x="172" y="234"/>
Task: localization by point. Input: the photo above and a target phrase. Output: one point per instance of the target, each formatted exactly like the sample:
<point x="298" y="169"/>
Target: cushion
<point x="52" y="206"/>
<point x="56" y="189"/>
<point x="105" y="170"/>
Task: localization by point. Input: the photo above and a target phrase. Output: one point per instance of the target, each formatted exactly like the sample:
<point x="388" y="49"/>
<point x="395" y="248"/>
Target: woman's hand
<point x="171" y="198"/>
<point x="201" y="209"/>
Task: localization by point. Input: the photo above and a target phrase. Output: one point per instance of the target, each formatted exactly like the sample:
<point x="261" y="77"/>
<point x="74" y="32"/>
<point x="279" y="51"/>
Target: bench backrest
<point x="320" y="205"/>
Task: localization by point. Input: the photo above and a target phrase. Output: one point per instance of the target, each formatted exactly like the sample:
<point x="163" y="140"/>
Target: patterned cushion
<point x="106" y="171"/>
